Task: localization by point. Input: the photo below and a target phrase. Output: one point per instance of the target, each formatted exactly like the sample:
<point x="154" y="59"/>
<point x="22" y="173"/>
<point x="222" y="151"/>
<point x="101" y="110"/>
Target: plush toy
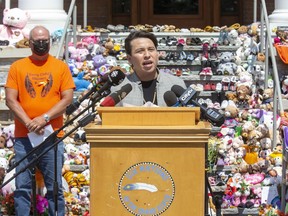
<point x="231" y="113"/>
<point x="266" y="143"/>
<point x="284" y="86"/>
<point x="80" y="83"/>
<point x="100" y="64"/>
<point x="13" y="28"/>
<point x="78" y="54"/>
<point x="243" y="29"/>
<point x="259" y="76"/>
<point x="267" y="101"/>
<point x="227" y="65"/>
<point x="72" y="155"/>
<point x="243" y="93"/>
<point x="233" y="38"/>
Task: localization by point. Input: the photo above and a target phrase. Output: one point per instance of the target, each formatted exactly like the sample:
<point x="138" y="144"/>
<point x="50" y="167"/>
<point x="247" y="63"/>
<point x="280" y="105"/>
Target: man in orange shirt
<point x="38" y="90"/>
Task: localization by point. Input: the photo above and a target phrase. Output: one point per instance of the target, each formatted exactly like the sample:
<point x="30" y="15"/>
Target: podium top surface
<point x="149" y="116"/>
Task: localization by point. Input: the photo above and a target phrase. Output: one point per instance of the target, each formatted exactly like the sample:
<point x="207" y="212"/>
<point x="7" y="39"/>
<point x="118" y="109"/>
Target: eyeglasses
<point x="40" y="41"/>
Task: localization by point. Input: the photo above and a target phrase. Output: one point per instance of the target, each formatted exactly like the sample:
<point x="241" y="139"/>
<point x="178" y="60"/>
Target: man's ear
<point x="129" y="58"/>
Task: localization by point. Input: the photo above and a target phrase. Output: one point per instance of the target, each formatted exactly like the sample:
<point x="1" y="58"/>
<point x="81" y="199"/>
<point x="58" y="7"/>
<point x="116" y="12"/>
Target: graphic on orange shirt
<point x="46" y="85"/>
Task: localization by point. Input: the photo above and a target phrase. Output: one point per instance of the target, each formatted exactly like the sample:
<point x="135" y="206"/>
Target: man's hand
<point x="36" y="125"/>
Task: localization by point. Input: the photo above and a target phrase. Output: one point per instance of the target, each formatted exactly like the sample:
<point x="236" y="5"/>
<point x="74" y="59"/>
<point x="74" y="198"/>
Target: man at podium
<point x="148" y="84"/>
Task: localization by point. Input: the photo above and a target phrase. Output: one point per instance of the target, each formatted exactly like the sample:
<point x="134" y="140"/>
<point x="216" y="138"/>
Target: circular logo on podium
<point x="146" y="189"/>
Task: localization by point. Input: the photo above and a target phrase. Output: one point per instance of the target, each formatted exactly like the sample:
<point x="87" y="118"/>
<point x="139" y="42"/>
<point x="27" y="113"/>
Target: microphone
<point x="114" y="78"/>
<point x="171" y="99"/>
<point x="117" y="96"/>
<point x="186" y="97"/>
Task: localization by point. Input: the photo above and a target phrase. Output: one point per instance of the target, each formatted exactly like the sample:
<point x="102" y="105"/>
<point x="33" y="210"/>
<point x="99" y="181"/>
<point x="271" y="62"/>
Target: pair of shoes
<point x="190" y="57"/>
<point x="117" y="28"/>
<point x="171" y="41"/>
<point x="225" y="83"/>
<point x="209" y="87"/>
<point x="183" y="55"/>
<point x="180" y="42"/>
<point x="206" y="72"/>
<point x="197" y="87"/>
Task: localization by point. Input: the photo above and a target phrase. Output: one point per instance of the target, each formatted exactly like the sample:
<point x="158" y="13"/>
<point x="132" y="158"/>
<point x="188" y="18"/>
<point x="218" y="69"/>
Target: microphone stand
<point x="52" y="137"/>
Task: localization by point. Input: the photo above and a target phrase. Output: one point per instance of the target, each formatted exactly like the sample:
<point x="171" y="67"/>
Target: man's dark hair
<point x="139" y="34"/>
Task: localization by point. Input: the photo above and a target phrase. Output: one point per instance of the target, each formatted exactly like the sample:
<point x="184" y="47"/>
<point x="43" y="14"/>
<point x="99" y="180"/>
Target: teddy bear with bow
<point x="14" y="27"/>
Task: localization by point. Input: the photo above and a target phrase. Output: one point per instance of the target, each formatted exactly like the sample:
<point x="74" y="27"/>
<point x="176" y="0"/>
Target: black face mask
<point x="41" y="47"/>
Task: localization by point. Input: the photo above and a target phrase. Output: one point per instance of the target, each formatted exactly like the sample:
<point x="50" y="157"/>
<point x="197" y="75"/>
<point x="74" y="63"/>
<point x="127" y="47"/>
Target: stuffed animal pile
<point x="14" y="27"/>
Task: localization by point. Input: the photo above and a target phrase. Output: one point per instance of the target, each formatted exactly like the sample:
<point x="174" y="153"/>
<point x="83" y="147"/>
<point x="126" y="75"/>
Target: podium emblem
<point x="146" y="189"/>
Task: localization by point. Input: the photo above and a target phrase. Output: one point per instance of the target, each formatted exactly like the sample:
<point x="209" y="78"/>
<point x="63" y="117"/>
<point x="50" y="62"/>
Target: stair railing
<point x="277" y="100"/>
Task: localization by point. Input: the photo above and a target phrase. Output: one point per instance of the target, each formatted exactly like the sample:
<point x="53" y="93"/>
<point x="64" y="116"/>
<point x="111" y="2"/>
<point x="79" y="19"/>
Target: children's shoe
<point x="183" y="55"/>
<point x="213" y="86"/>
<point x="225" y="83"/>
<point x="218" y="87"/>
<point x="205" y="50"/>
<point x="207" y="87"/>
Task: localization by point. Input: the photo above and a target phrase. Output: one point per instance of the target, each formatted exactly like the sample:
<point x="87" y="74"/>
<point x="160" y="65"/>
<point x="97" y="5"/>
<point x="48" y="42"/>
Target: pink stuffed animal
<point x="13" y="28"/>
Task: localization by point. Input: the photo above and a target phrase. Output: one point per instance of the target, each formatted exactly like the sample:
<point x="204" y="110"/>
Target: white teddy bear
<point x="13" y="28"/>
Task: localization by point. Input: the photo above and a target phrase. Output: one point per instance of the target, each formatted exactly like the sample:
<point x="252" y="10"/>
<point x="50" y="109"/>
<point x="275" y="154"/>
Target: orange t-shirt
<point x="39" y="85"/>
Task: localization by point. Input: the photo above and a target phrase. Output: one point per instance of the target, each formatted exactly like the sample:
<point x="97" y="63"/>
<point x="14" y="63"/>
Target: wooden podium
<point x="148" y="161"/>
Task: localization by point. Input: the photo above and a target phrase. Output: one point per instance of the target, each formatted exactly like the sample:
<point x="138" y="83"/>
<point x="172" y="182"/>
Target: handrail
<point x="277" y="100"/>
<point x="61" y="43"/>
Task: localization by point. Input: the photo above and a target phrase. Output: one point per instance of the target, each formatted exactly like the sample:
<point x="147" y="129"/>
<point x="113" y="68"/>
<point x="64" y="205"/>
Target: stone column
<point x="279" y="16"/>
<point x="49" y="13"/>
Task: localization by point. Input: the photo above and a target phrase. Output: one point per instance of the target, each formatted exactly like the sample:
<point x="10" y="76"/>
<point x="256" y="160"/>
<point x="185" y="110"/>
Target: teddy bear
<point x="227" y="66"/>
<point x="233" y="38"/>
<point x="72" y="155"/>
<point x="259" y="76"/>
<point x="14" y="27"/>
<point x="243" y="93"/>
<point x="267" y="99"/>
<point x="243" y="29"/>
<point x="100" y="64"/>
<point x="231" y="96"/>
<point x="265" y="143"/>
<point x="231" y="113"/>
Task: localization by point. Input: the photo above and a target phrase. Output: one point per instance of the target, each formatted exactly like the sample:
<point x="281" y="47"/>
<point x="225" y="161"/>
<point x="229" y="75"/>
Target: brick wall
<point x="98" y="11"/>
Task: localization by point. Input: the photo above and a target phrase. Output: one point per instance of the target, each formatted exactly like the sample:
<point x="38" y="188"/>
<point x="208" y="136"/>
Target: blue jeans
<point x="22" y="194"/>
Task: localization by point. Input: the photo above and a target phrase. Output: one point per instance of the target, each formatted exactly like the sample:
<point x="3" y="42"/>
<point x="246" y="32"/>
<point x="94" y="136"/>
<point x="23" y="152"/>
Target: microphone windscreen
<point x="117" y="96"/>
<point x="178" y="90"/>
<point x="116" y="76"/>
<point x="170" y="99"/>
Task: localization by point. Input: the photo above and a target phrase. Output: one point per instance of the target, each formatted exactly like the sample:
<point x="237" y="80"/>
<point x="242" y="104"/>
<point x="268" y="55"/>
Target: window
<point x="178" y="7"/>
<point x="229" y="7"/>
<point x="121" y="6"/>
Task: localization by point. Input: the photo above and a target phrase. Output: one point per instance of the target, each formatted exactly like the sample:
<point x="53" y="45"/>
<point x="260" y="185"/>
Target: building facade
<point x="181" y="13"/>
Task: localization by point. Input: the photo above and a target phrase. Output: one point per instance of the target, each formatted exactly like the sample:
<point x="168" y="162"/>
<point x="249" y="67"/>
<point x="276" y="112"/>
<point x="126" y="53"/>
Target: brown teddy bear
<point x="243" y="29"/>
<point x="267" y="101"/>
<point x="243" y="93"/>
<point x="231" y="114"/>
<point x="232" y="96"/>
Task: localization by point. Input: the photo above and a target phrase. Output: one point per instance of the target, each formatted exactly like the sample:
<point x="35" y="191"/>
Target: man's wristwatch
<point x="46" y="117"/>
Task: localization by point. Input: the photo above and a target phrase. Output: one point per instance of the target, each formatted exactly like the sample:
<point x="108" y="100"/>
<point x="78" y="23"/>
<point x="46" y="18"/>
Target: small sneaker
<point x="218" y="87"/>
<point x="213" y="86"/>
<point x="207" y="87"/>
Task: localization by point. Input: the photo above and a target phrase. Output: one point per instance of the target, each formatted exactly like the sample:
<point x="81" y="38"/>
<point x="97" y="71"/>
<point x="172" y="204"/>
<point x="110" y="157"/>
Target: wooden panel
<point x="141" y="116"/>
<point x="171" y="159"/>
